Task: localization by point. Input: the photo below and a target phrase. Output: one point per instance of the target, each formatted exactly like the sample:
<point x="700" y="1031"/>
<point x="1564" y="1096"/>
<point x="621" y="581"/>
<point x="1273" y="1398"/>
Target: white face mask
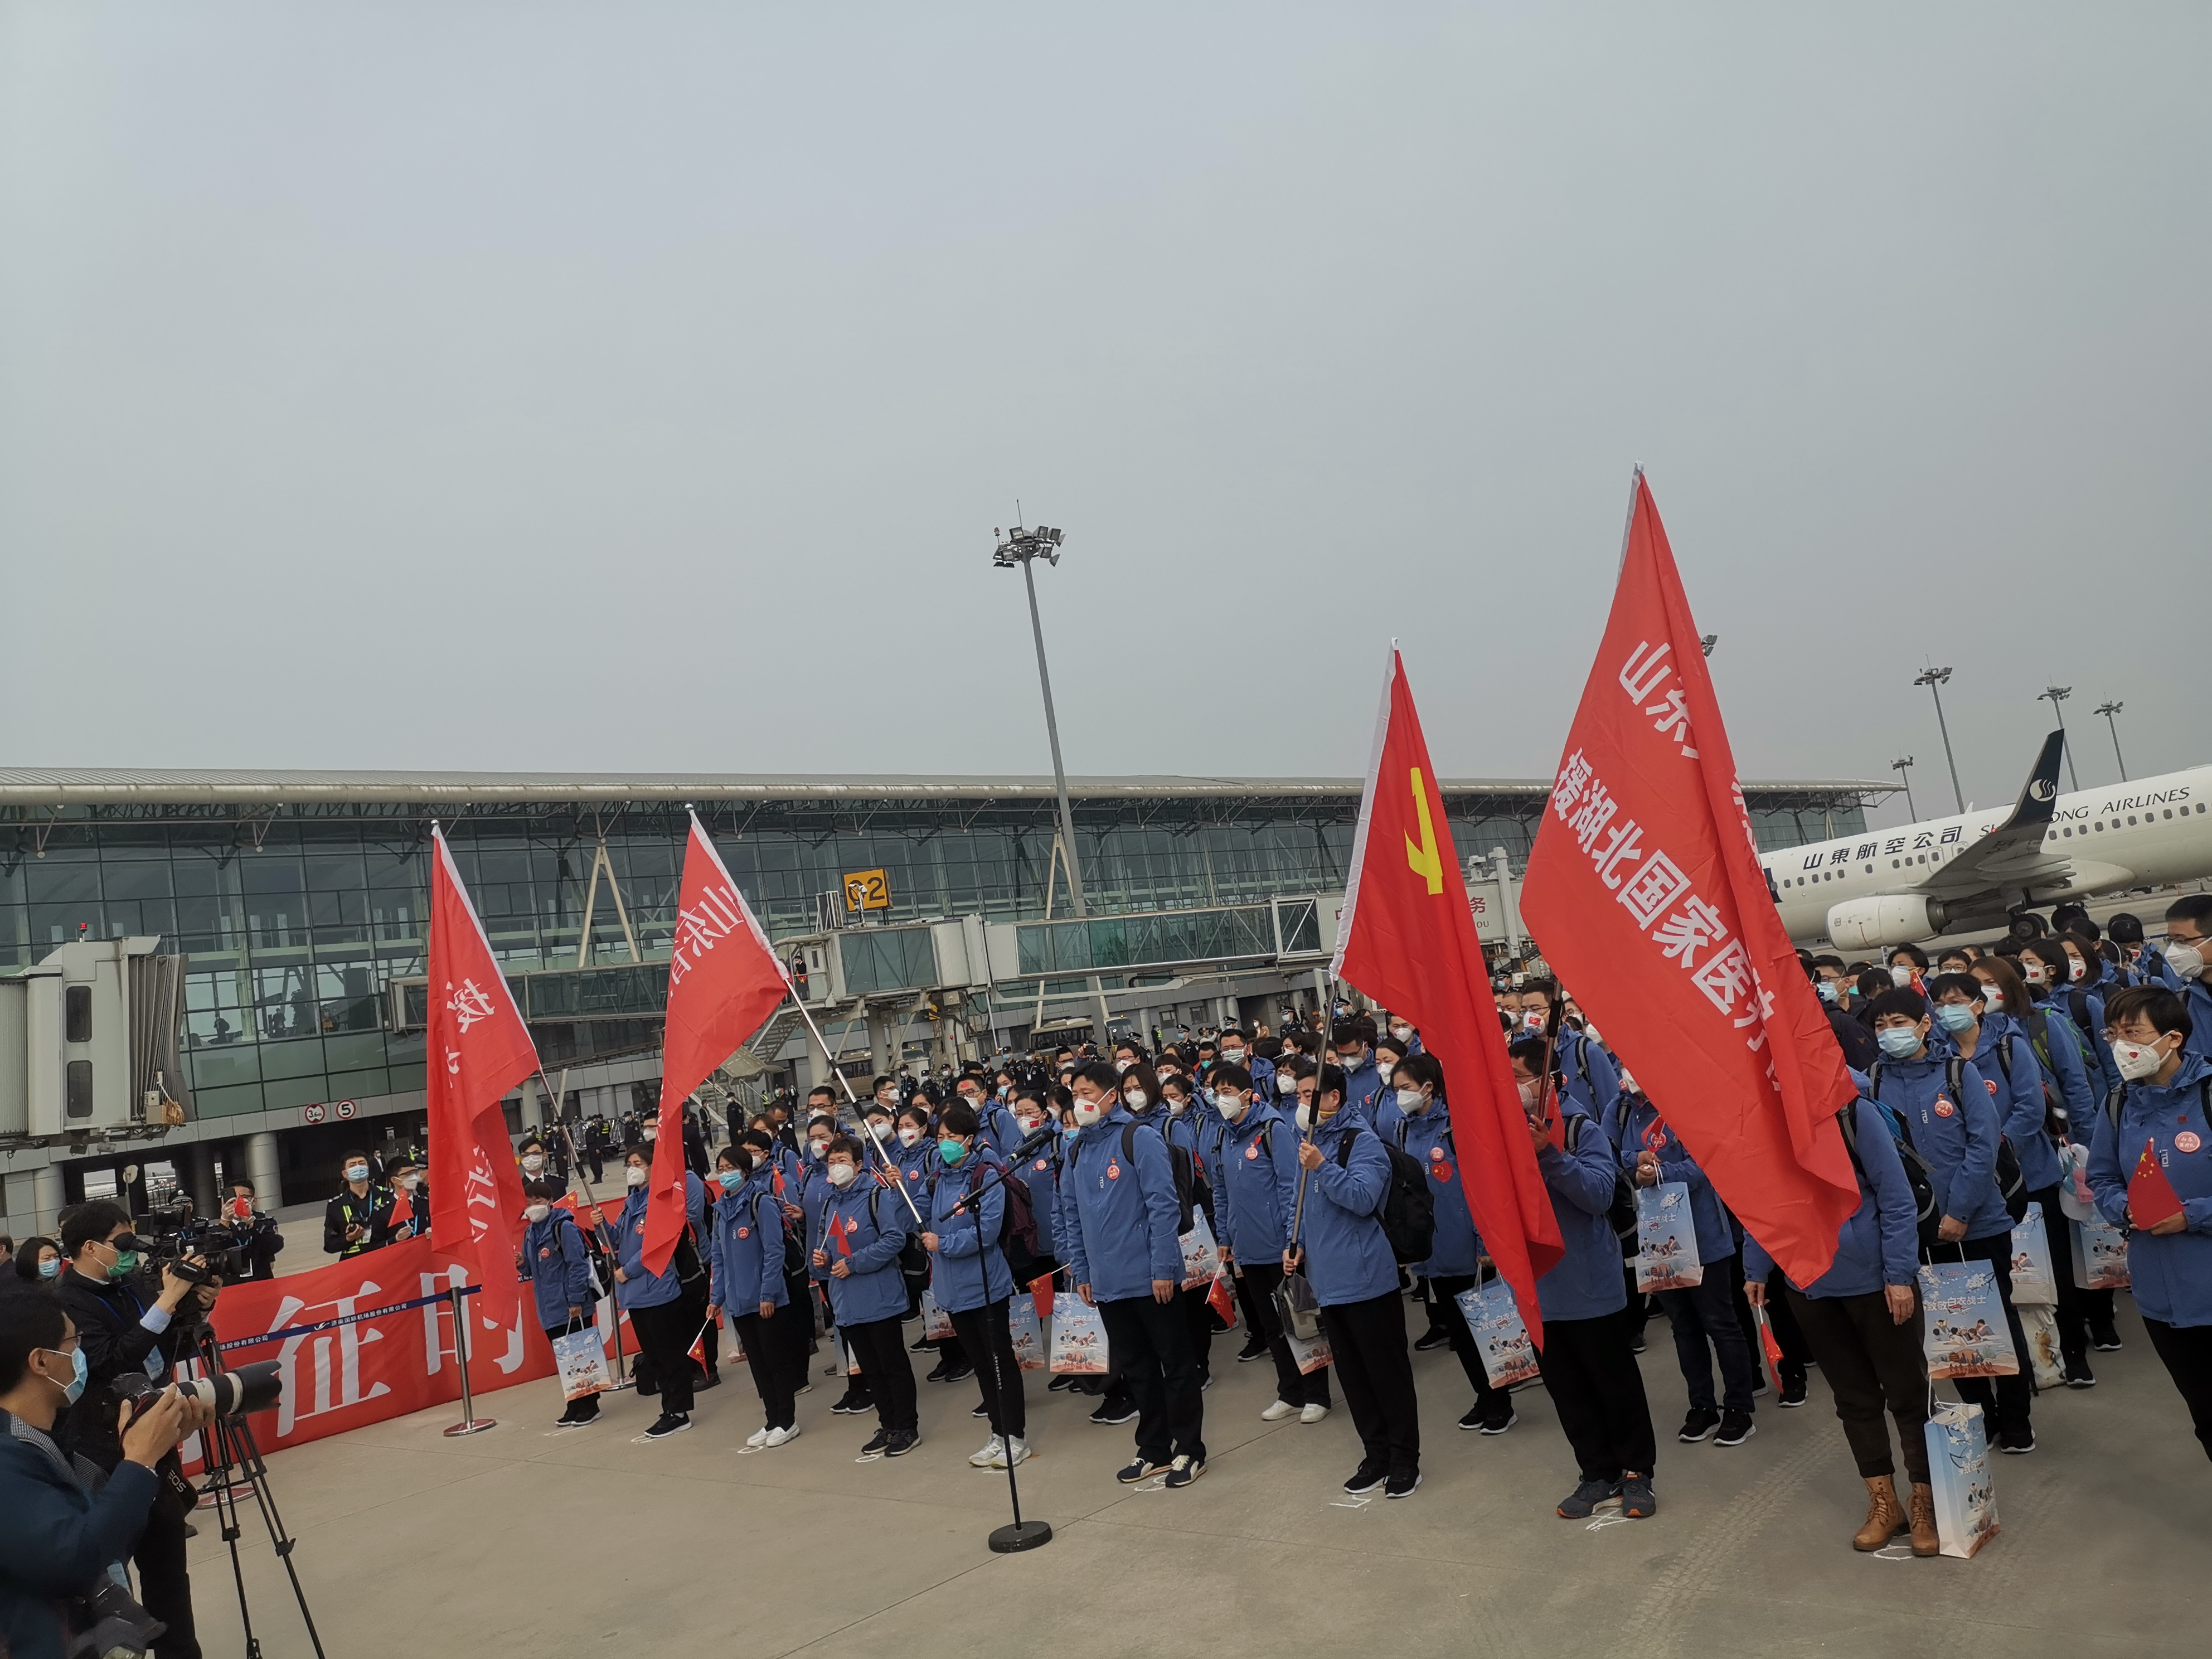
<point x="1304" y="1116"/>
<point x="536" y="1212"/>
<point x="909" y="1135"/>
<point x="1178" y="1104"/>
<point x="532" y="1164"/>
<point x="2034" y="973"/>
<point x="2186" y="960"/>
<point x="1528" y="1087"/>
<point x="2076" y="968"/>
<point x="1992" y="996"/>
<point x="1230" y="1104"/>
<point x="1087" y="1112"/>
<point x="1137" y="1100"/>
<point x="1409" y="1101"/>
<point x="1532" y="1022"/>
<point x="1401" y="1032"/>
<point x="636" y="1175"/>
<point x="2137" y="1060"/>
<point x="1030" y="1125"/>
<point x="1899" y="974"/>
<point x="1233" y="1056"/>
<point x="841" y="1175"/>
<point x="816" y="1148"/>
<point x="1121" y="1066"/>
<point x="653" y="1133"/>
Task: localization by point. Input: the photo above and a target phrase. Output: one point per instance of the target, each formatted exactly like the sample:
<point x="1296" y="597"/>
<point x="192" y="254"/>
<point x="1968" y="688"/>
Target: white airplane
<point x="1980" y="870"/>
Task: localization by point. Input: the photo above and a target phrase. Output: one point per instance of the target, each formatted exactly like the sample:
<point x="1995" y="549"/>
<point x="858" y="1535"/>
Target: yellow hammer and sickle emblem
<point x="1423" y="858"/>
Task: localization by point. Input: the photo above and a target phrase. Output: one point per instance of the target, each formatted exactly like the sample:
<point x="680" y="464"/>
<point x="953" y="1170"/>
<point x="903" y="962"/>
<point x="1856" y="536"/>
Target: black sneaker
<point x="981" y="1410"/>
<point x="1183" y="1471"/>
<point x="711" y="1380"/>
<point x="1402" y="1485"/>
<point x="666" y="1424"/>
<point x="1499" y="1424"/>
<point x="2020" y="1443"/>
<point x="1793" y="1391"/>
<point x="1254" y="1349"/>
<point x="882" y="1438"/>
<point x="2105" y="1338"/>
<point x="1060" y="1381"/>
<point x="1636" y="1343"/>
<point x="902" y="1442"/>
<point x="854" y="1404"/>
<point x="1430" y="1341"/>
<point x="1140" y="1469"/>
<point x="1698" y="1425"/>
<point x="959" y="1373"/>
<point x="943" y="1373"/>
<point x="1736" y="1427"/>
<point x="1109" y="1412"/>
<point x="920" y="1345"/>
<point x="1581" y="1503"/>
<point x="2077" y="1373"/>
<point x="1473" y="1419"/>
<point x="1366" y="1479"/>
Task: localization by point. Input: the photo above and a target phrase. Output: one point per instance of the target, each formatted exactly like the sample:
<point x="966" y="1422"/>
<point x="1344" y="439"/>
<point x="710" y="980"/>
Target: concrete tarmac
<point x="532" y="1541"/>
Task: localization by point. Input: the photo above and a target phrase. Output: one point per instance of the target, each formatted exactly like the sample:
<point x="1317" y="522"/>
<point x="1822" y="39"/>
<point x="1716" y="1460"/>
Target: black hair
<point x="2125" y="929"/>
<point x="876" y="1087"/>
<point x="90" y="1221"/>
<point x="1529" y="1051"/>
<point x="1330" y="1082"/>
<point x="1911" y="953"/>
<point x="844" y="1143"/>
<point x="1224" y="1075"/>
<point x="2163" y="1010"/>
<point x="759" y="1139"/>
<point x="1965" y="984"/>
<point x="823" y="1089"/>
<point x="959" y="1118"/>
<point x="1099" y="1074"/>
<point x="27" y="1323"/>
<point x="346" y="1158"/>
<point x="26" y="1256"/>
<point x="1873" y="982"/>
<point x="1359" y="1029"/>
<point x="1899" y="1000"/>
<point x="1423" y="1067"/>
<point x="539" y="1187"/>
<point x="2192" y="907"/>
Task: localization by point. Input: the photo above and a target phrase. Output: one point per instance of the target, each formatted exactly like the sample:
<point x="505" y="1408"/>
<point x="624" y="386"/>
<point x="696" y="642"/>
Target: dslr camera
<point x="255" y="1388"/>
<point x="175" y="1234"/>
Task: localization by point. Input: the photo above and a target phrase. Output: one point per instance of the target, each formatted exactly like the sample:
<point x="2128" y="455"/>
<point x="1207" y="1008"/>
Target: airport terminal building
<point x="299" y="900"/>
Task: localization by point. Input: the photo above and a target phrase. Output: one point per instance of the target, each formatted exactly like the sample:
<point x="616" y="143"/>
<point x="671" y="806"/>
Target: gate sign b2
<point x="867" y="889"/>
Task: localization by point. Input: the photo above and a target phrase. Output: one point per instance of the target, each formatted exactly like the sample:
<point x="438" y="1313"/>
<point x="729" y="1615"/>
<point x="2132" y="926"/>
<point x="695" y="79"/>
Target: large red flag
<point x="478" y="1048"/>
<point x="1407" y="939"/>
<point x="724" y="979"/>
<point x="1645" y="893"/>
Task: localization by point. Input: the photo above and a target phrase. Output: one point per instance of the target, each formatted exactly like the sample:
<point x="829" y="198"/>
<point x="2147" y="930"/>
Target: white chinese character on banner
<point x="1674" y="722"/>
<point x="1653" y="888"/>
<point x="332" y="1387"/>
<point x="1622" y="846"/>
<point x="1725" y="977"/>
<point x="1574" y="778"/>
<point x="1593" y="815"/>
<point x="468" y="1003"/>
<point x="1758" y="1015"/>
<point x="1643" y="675"/>
<point x="1689" y="930"/>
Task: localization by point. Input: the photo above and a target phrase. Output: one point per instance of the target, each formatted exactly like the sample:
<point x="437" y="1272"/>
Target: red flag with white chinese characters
<point x="723" y="980"/>
<point x="1406" y="939"/>
<point x="477" y="1050"/>
<point x="1645" y="893"/>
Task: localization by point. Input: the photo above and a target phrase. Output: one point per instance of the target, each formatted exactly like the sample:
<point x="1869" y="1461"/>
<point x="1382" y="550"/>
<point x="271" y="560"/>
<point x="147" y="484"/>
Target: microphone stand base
<point x="1019" y="1536"/>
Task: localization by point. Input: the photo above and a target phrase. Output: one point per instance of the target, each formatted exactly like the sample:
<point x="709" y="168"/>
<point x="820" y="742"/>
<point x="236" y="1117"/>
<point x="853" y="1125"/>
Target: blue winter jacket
<point x="1348" y="1254"/>
<point x="918" y="1166"/>
<point x="2007" y="1059"/>
<point x="746" y="1247"/>
<point x="1117" y="1211"/>
<point x="1587" y="1282"/>
<point x="873" y="1225"/>
<point x="1642" y="1128"/>
<point x="560" y="1268"/>
<point x="1427" y="1138"/>
<point x="1958" y="1138"/>
<point x="638" y="1288"/>
<point x="969" y="1268"/>
<point x="1257" y="1187"/>
<point x="1593" y="1080"/>
<point x="814" y="1191"/>
<point x="2197" y="998"/>
<point x="1362" y="1084"/>
<point x="2172" y="1273"/>
<point x="1879" y="1243"/>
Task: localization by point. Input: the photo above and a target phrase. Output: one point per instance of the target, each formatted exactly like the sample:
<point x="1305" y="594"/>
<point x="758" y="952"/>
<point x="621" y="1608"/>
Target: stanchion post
<point x="470" y="1422"/>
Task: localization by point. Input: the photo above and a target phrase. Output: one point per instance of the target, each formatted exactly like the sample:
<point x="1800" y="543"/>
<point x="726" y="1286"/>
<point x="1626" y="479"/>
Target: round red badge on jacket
<point x="1112" y="1172"/>
<point x="1441" y="1171"/>
<point x="2187" y="1141"/>
<point x="1944" y="1107"/>
<point x="1436" y="1154"/>
<point x="745" y="1232"/>
<point x="1252" y="1151"/>
<point x="545" y="1251"/>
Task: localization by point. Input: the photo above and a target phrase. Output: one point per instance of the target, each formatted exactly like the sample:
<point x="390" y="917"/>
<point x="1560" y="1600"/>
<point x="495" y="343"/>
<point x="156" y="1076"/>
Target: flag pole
<point x="606" y="1240"/>
<point x="882" y="1157"/>
<point x="1635" y="478"/>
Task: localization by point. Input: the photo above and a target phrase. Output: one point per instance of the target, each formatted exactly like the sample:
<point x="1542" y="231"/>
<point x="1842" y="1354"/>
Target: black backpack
<point x="2112" y="1111"/>
<point x="2056" y="1121"/>
<point x="1621" y="1214"/>
<point x="1917" y="1169"/>
<point x="2012" y="1184"/>
<point x="1186" y="1175"/>
<point x="1409" y="1212"/>
<point x="1926" y="1218"/>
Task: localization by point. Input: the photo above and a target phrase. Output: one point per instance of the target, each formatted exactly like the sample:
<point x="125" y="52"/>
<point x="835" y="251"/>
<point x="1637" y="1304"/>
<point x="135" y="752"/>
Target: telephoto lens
<point x="255" y="1388"/>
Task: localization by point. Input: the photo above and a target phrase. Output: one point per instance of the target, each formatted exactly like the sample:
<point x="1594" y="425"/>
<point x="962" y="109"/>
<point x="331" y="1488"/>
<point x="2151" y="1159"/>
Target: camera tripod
<point x="226" y="1444"/>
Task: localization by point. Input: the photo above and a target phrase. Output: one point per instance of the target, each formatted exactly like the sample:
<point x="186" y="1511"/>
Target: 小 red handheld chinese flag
<point x="1645" y="893"/>
<point x="2151" y="1197"/>
<point x="723" y="980"/>
<point x="1407" y="939"/>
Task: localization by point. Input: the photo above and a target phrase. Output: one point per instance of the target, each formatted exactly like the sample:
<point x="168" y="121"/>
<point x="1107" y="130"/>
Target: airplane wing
<point x="2013" y="854"/>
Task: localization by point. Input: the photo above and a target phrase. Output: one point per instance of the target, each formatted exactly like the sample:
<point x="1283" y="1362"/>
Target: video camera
<point x="175" y="1234"/>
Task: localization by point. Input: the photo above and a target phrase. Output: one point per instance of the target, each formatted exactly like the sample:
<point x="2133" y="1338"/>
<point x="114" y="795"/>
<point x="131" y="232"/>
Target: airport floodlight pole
<point x="1024" y="547"/>
<point x="1903" y="767"/>
<point x="2055" y="694"/>
<point x="2108" y="710"/>
<point x="1934" y="679"/>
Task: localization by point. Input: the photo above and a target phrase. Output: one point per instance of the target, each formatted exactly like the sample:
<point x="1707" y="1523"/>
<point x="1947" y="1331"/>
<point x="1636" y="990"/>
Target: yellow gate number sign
<point x="867" y="889"/>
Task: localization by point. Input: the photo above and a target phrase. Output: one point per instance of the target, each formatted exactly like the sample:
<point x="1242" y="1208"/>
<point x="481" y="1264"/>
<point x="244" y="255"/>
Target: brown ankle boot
<point x="1884" y="1517"/>
<point x="1924" y="1539"/>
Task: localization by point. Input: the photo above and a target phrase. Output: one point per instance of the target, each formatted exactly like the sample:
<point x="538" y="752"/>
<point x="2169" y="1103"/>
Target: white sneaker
<point x="1313" y="1414"/>
<point x="1278" y="1412"/>
<point x="779" y="1437"/>
<point x="756" y="1437"/>
<point x="989" y="1457"/>
<point x="1018" y="1447"/>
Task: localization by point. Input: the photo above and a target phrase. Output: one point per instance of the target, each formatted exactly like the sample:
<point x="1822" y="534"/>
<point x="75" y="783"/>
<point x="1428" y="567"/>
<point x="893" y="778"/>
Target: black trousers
<point x="663" y="1334"/>
<point x="693" y="1301"/>
<point x="1199" y="1318"/>
<point x="597" y="1162"/>
<point x="1149" y="1342"/>
<point x="1494" y="1405"/>
<point x="2076" y="1308"/>
<point x="1249" y="1303"/>
<point x="886" y="1372"/>
<point x="1870" y="1362"/>
<point x="165" y="1588"/>
<point x="2007" y="1406"/>
<point x="775" y="1353"/>
<point x="2187" y="1351"/>
<point x="985" y="1336"/>
<point x="1367" y="1345"/>
<point x="1705" y="1314"/>
<point x="1589" y="1370"/>
<point x="1292" y="1388"/>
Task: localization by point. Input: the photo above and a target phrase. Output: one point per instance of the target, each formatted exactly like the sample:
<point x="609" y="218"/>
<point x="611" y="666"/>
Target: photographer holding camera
<point x="258" y="1241"/>
<point x="57" y="1541"/>
<point x="123" y="1333"/>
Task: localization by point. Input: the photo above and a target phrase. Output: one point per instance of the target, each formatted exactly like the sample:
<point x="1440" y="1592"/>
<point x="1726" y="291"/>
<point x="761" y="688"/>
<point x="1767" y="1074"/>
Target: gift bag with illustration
<point x="2033" y="1284"/>
<point x="1078" y="1337"/>
<point x="583" y="1363"/>
<point x="1311" y="1352"/>
<point x="1666" y="1239"/>
<point x="1200" y="1260"/>
<point x="2041" y="1326"/>
<point x="1028" y="1333"/>
<point x="1966" y="1333"/>
<point x="1508" y="1355"/>
<point x="2100" y="1256"/>
<point x="936" y="1323"/>
<point x="1959" y="1469"/>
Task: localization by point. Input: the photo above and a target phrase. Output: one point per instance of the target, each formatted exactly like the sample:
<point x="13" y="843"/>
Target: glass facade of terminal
<point x="296" y="918"/>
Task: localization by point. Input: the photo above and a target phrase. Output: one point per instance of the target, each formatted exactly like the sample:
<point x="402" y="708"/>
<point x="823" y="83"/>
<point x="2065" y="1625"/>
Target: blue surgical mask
<point x="732" y="1180"/>
<point x="50" y="1268"/>
<point x="1898" y="1041"/>
<point x="952" y="1150"/>
<point x="1069" y="1135"/>
<point x="1827" y="988"/>
<point x="74" y="1390"/>
<point x="1955" y="1017"/>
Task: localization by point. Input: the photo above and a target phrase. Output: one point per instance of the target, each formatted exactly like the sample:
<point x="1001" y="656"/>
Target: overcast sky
<point x="501" y="387"/>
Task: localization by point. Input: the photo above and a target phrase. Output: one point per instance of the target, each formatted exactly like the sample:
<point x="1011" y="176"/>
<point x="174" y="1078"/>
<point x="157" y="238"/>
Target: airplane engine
<point x="1869" y="924"/>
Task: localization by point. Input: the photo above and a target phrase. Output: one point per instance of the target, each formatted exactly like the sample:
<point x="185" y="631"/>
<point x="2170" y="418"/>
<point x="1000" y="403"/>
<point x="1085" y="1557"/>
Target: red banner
<point x="1645" y="893"/>
<point x="1407" y="940"/>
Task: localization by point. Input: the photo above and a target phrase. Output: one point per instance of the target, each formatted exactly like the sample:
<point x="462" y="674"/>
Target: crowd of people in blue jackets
<point x="1322" y="1163"/>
